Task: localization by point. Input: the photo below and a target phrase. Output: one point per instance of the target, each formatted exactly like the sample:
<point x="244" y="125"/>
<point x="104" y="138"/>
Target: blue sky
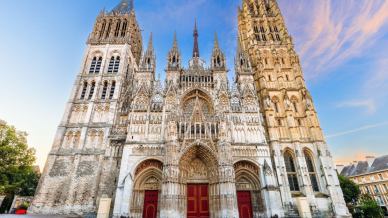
<point x="343" y="47"/>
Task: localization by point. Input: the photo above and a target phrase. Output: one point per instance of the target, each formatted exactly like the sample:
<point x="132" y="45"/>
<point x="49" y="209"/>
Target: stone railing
<point x="198" y="130"/>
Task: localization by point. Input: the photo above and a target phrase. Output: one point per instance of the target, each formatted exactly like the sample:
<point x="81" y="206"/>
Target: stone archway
<point x="248" y="188"/>
<point x="198" y="176"/>
<point x="147" y="183"/>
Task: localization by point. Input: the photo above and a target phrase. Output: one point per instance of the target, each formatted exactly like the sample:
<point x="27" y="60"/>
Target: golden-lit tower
<point x="301" y="157"/>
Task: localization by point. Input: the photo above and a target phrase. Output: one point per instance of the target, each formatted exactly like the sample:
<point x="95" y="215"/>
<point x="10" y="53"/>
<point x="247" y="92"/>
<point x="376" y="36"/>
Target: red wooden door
<point x="150" y="204"/>
<point x="244" y="204"/>
<point x="197" y="201"/>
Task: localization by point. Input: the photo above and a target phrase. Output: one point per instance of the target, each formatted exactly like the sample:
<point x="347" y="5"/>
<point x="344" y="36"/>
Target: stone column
<point x="124" y="187"/>
<point x="227" y="188"/>
<point x="227" y="183"/>
<point x="271" y="191"/>
<point x="333" y="186"/>
<point x="172" y="204"/>
<point x="281" y="175"/>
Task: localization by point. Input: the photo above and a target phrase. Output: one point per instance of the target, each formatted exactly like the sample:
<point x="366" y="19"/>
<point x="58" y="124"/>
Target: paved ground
<point x="29" y="216"/>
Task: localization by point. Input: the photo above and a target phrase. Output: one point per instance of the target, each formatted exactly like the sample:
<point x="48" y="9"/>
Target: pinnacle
<point x="216" y="45"/>
<point x="175" y="44"/>
<point x="150" y="42"/>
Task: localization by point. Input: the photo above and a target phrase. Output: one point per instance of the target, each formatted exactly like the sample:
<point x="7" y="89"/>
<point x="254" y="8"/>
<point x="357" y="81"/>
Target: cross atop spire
<point x="196" y="47"/>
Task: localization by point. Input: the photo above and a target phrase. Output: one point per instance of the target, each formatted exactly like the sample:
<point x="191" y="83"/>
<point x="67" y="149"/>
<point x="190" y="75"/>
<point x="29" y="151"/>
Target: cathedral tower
<point x="197" y="144"/>
<point x="303" y="162"/>
<point x="82" y="165"/>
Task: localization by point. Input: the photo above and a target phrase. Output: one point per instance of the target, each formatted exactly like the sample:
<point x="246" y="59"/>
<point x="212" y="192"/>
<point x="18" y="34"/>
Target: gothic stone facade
<point x="196" y="145"/>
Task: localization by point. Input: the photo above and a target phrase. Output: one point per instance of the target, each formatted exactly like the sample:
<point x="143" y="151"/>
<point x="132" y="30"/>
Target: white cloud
<point x="334" y="32"/>
<point x="359" y="129"/>
<point x="368" y="104"/>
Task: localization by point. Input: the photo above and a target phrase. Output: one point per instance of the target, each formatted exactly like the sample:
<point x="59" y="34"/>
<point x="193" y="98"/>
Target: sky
<point x="342" y="45"/>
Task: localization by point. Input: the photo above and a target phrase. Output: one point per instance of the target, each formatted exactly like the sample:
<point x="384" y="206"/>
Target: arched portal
<point x="146" y="188"/>
<point x="249" y="196"/>
<point x="198" y="177"/>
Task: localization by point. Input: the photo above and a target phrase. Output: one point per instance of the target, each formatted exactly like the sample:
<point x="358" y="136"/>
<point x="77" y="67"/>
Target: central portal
<point x="197" y="201"/>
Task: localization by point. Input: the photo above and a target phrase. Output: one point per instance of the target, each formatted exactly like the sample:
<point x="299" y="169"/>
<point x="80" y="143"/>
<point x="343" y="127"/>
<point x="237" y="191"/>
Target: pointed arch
<point x="248" y="183"/>
<point x="309" y="158"/>
<point x="198" y="156"/>
<point x="292" y="176"/>
<point x="294" y="101"/>
<point x="148" y="176"/>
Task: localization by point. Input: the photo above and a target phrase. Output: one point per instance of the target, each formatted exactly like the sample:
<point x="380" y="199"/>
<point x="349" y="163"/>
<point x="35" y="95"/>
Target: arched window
<point x="277" y="33"/>
<point x="117" y="31"/>
<point x="98" y="65"/>
<point x="104" y="90"/>
<point x="102" y="28"/>
<point x="311" y="170"/>
<point x="276" y="104"/>
<point x="84" y="89"/>
<point x="279" y="122"/>
<point x="108" y="30"/>
<point x="262" y="31"/>
<point x="95" y="66"/>
<point x="291" y="171"/>
<point x="295" y="104"/>
<point x="91" y="92"/>
<point x="112" y="90"/>
<point x="124" y="28"/>
<point x="114" y="64"/>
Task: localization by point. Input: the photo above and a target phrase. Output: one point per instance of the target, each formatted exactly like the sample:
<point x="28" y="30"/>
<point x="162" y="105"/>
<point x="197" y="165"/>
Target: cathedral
<point x="195" y="145"/>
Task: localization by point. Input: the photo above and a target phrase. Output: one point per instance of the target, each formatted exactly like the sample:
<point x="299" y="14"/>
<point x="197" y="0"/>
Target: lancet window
<point x="112" y="90"/>
<point x="84" y="89"/>
<point x="114" y="64"/>
<point x="95" y="66"/>
<point x="104" y="90"/>
<point x="91" y="92"/>
<point x="108" y="30"/>
<point x="102" y="31"/>
<point x="124" y="28"/>
<point x="311" y="170"/>
<point x="291" y="171"/>
<point x="117" y="30"/>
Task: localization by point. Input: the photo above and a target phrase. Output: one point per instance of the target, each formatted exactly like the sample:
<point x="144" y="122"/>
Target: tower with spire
<point x="196" y="144"/>
<point x="196" y="46"/>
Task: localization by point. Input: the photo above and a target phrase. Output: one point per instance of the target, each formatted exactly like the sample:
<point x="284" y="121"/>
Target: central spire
<point x="196" y="47"/>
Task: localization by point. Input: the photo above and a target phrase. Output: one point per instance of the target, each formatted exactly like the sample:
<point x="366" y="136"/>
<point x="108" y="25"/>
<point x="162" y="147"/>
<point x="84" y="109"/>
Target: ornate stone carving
<point x="148" y="164"/>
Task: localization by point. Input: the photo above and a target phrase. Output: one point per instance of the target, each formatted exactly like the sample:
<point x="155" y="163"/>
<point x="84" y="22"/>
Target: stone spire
<point x="148" y="61"/>
<point x="216" y="44"/>
<point x="174" y="57"/>
<point x="196" y="47"/>
<point x="175" y="43"/>
<point x="241" y="61"/>
<point x="218" y="57"/>
<point x="150" y="47"/>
